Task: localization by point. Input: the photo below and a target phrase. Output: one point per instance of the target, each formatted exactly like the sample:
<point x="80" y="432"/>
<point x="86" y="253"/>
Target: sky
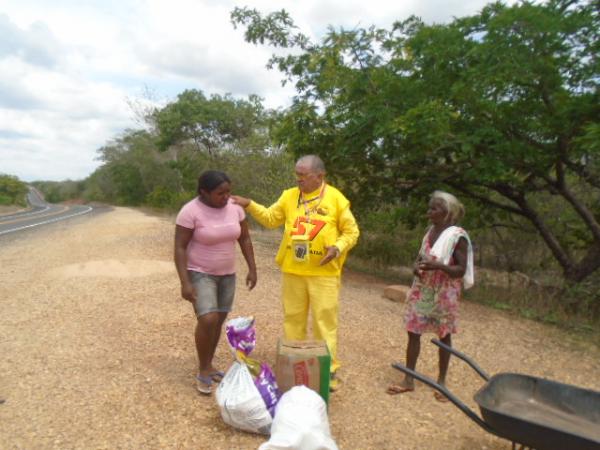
<point x="74" y="74"/>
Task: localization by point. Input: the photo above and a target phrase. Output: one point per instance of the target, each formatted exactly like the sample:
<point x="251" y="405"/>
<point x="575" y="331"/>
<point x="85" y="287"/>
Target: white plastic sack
<point x="240" y="403"/>
<point x="300" y="423"/>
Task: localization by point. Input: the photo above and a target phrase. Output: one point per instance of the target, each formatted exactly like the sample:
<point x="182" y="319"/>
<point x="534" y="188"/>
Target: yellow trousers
<point x="320" y="295"/>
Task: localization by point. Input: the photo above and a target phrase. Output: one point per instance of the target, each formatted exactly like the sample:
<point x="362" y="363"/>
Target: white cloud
<point x="68" y="67"/>
<point x="36" y="44"/>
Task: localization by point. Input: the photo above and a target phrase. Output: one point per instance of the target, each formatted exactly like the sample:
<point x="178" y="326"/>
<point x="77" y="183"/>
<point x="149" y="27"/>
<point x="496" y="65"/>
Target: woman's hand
<point x="455" y="270"/>
<point x="430" y="264"/>
<point x="251" y="279"/>
<point x="426" y="262"/>
<point x="416" y="271"/>
<point x="188" y="292"/>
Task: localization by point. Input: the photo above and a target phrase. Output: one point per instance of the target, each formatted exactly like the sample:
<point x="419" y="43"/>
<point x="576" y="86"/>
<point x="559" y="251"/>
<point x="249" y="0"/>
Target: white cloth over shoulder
<point x="444" y="248"/>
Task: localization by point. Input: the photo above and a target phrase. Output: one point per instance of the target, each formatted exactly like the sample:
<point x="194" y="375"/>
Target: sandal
<point x="217" y="376"/>
<point x="204" y="384"/>
<point x="394" y="389"/>
<point x="334" y="382"/>
<point x="440" y="397"/>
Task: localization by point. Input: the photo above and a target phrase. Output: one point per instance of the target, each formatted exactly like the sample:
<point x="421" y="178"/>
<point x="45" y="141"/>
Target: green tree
<point x="501" y="107"/>
<point x="209" y="123"/>
<point x="58" y="191"/>
<point x="132" y="168"/>
<point x="160" y="166"/>
<point x="12" y="190"/>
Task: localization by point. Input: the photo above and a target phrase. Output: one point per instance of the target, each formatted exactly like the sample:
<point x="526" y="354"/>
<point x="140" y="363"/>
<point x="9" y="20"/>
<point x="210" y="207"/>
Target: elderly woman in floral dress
<point x="443" y="267"/>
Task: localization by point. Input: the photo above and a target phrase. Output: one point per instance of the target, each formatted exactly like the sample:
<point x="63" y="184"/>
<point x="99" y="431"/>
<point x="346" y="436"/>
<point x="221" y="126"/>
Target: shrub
<point x="12" y="191"/>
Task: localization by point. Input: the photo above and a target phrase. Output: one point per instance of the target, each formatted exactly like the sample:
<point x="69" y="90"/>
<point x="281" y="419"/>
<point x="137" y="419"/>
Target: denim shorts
<point x="214" y="293"/>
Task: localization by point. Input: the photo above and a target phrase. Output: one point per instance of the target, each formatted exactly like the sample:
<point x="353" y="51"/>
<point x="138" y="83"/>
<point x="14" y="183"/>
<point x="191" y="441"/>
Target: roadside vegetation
<point x="501" y="108"/>
<point x="12" y="191"/>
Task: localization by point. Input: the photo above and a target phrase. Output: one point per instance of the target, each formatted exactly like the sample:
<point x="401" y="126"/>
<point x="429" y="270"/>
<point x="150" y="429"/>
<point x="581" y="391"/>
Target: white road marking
<point x="47" y="221"/>
<point x="25" y="214"/>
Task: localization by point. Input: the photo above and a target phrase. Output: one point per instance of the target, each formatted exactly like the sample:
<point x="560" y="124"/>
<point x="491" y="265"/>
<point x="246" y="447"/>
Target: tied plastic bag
<point x="240" y="402"/>
<point x="241" y="334"/>
<point x="248" y="393"/>
<point x="267" y="386"/>
<point x="300" y="423"/>
<point x="264" y="379"/>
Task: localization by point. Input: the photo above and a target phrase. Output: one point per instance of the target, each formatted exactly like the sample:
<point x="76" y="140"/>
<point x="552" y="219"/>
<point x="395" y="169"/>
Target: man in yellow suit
<point x="319" y="230"/>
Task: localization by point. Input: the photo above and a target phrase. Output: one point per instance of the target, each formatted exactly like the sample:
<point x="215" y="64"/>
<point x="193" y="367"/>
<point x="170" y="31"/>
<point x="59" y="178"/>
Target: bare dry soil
<point x="96" y="349"/>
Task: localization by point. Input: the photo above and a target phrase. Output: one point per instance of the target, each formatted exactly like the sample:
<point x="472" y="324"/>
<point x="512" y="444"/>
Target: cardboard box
<point x="303" y="362"/>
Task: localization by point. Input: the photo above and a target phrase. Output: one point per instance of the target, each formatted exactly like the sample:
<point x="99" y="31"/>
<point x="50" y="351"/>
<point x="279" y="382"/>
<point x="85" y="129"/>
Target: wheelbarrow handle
<point x="464" y="357"/>
<point x="438" y="387"/>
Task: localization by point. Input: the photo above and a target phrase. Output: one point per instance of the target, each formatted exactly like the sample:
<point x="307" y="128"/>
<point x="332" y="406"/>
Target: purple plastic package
<point x="241" y="334"/>
<point x="267" y="386"/>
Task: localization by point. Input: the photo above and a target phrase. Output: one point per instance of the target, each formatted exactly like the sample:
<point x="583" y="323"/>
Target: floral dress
<point x="432" y="302"/>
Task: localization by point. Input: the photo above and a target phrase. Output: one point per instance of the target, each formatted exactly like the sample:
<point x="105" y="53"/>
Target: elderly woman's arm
<point x="182" y="239"/>
<point x="456" y="270"/>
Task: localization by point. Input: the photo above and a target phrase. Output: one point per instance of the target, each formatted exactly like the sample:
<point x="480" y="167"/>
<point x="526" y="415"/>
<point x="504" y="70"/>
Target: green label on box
<point x="325" y="366"/>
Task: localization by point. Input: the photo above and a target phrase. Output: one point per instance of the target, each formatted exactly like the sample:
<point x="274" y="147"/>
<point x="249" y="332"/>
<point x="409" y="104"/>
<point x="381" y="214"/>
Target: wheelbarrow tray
<point x="541" y="413"/>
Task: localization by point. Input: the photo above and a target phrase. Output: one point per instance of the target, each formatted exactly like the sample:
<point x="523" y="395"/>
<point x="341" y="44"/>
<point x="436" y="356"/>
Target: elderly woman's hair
<point x="454" y="208"/>
<point x="209" y="180"/>
<point x="316" y="164"/>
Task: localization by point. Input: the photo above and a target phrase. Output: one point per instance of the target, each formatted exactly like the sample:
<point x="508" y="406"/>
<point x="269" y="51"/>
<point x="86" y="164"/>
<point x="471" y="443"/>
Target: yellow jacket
<point x="329" y="222"/>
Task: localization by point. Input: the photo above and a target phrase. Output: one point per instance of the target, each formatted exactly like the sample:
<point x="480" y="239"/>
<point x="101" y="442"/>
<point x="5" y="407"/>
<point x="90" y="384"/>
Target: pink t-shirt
<point x="216" y="230"/>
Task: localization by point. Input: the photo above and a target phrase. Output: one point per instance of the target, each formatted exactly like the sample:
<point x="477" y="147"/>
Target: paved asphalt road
<point x="39" y="213"/>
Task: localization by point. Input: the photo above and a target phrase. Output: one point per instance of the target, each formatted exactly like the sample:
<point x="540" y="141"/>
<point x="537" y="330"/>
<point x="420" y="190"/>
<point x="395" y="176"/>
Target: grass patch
<point x="502" y="306"/>
<point x="535" y="302"/>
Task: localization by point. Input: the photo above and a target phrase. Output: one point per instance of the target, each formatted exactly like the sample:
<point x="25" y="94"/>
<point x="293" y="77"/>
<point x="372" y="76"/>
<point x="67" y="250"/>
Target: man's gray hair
<point x="454" y="208"/>
<point x="316" y="164"/>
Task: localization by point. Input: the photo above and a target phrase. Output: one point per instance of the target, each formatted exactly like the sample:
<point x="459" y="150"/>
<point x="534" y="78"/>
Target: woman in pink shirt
<point x="205" y="234"/>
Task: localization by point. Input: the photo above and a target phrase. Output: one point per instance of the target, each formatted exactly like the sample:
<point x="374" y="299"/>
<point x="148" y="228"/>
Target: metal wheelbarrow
<point x="533" y="412"/>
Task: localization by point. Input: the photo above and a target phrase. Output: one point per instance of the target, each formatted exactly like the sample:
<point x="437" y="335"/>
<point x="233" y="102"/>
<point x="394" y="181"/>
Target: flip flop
<point x="217" y="376"/>
<point x="395" y="389"/>
<point x="440" y="397"/>
<point x="204" y="384"/>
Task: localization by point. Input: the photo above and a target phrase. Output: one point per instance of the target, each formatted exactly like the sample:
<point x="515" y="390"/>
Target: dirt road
<point x="97" y="350"/>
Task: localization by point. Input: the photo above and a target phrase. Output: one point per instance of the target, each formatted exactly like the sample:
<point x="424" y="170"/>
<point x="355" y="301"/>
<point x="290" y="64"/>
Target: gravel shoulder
<point x="97" y="349"/>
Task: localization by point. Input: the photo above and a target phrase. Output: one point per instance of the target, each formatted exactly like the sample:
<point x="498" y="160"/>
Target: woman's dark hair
<point x="209" y="180"/>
